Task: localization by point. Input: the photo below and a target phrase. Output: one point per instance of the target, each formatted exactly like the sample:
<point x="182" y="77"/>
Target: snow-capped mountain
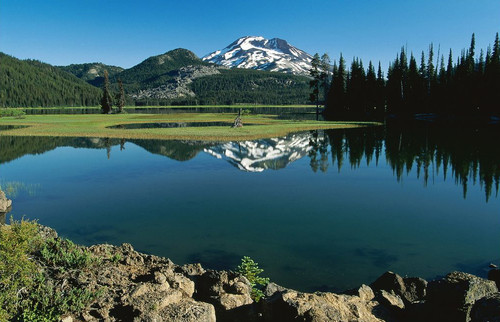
<point x="260" y="53"/>
<point x="257" y="156"/>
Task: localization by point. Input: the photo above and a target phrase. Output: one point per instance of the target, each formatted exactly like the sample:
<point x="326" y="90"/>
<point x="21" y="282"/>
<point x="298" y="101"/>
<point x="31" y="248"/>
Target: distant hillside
<point x="30" y="83"/>
<point x="177" y="77"/>
<point x="180" y="77"/>
<point x="157" y="66"/>
<point x="92" y="73"/>
<point x="251" y="86"/>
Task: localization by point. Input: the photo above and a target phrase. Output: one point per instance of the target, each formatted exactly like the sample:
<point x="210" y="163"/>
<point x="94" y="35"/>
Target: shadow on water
<point x="215" y="259"/>
<point x="11" y="127"/>
<point x="378" y="257"/>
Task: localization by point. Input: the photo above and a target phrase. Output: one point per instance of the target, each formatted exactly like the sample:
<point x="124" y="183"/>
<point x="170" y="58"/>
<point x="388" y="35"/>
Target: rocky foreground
<point x="140" y="287"/>
<point x="130" y="286"/>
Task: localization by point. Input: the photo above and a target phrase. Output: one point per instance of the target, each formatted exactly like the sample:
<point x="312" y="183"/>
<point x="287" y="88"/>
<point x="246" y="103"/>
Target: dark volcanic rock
<point x="272" y="288"/>
<point x="140" y="287"/>
<point x="415" y="289"/>
<point x="454" y="295"/>
<point x="486" y="309"/>
<point x="389" y="281"/>
<point x="291" y="305"/>
<point x="494" y="275"/>
<point x="410" y="289"/>
<point x="229" y="292"/>
<point x="391" y="300"/>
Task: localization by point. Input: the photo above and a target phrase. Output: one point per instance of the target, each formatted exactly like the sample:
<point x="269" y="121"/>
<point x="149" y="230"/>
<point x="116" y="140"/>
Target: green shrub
<point x="47" y="302"/>
<point x="17" y="242"/>
<point x="26" y="292"/>
<point x="251" y="271"/>
<point x="64" y="254"/>
<point x="116" y="258"/>
<point x="13" y="112"/>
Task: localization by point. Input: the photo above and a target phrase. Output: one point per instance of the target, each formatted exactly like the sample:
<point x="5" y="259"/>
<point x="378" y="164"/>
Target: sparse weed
<point x="116" y="258"/>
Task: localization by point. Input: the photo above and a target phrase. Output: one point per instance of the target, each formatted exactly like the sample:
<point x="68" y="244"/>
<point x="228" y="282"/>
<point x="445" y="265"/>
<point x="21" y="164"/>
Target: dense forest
<point x="433" y="83"/>
<point x="32" y="83"/>
<point x="468" y="85"/>
<point x="251" y="86"/>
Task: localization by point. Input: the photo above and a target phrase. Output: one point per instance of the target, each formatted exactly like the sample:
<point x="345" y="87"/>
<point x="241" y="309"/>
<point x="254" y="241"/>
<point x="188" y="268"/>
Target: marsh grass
<point x="96" y="125"/>
<point x="131" y="107"/>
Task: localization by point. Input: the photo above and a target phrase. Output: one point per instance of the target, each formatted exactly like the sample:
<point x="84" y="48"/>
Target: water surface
<point x="324" y="210"/>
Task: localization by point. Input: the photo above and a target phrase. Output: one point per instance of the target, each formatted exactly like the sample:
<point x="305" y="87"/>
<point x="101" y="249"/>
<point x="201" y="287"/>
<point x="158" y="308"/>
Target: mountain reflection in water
<point x="470" y="155"/>
<point x="339" y="209"/>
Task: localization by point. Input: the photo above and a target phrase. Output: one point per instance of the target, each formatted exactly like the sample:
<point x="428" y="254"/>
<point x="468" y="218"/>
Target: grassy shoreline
<point x="243" y="106"/>
<point x="96" y="125"/>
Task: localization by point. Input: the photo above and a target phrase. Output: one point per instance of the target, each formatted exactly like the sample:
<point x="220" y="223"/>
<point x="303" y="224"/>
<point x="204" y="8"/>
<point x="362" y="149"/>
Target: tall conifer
<point x="106" y="101"/>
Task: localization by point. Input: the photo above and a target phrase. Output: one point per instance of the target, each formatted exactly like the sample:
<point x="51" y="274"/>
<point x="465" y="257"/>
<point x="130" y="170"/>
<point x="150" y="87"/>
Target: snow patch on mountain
<point x="255" y="52"/>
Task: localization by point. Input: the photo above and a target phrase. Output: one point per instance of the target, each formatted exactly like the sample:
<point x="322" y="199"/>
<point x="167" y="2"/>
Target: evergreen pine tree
<point x="336" y="104"/>
<point x="414" y="87"/>
<point x="492" y="78"/>
<point x="325" y="75"/>
<point x="380" y="91"/>
<point x="449" y="69"/>
<point x="356" y="88"/>
<point x="314" y="84"/>
<point x="371" y="89"/>
<point x="106" y="102"/>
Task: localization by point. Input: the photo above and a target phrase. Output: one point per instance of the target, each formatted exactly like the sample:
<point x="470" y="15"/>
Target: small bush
<point x="251" y="271"/>
<point x="26" y="291"/>
<point x="116" y="258"/>
<point x="65" y="254"/>
<point x="17" y="268"/>
<point x="47" y="302"/>
<point x="12" y="112"/>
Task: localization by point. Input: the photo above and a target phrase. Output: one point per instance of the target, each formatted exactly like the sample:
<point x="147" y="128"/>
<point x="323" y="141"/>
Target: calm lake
<point x="321" y="210"/>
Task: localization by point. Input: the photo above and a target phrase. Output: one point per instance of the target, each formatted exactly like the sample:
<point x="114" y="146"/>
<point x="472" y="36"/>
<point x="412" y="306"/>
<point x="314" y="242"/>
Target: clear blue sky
<point x="126" y="32"/>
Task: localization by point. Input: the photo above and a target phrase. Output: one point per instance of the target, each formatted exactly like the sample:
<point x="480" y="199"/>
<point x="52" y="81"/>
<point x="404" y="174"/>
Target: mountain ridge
<point x="256" y="52"/>
<point x="176" y="77"/>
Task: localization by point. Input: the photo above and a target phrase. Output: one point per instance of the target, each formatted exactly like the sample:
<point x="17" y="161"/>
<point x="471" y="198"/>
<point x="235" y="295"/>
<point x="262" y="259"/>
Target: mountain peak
<point x="257" y="52"/>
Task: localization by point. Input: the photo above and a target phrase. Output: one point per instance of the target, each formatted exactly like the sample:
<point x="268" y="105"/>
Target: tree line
<point x="468" y="85"/>
<point x="25" y="83"/>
